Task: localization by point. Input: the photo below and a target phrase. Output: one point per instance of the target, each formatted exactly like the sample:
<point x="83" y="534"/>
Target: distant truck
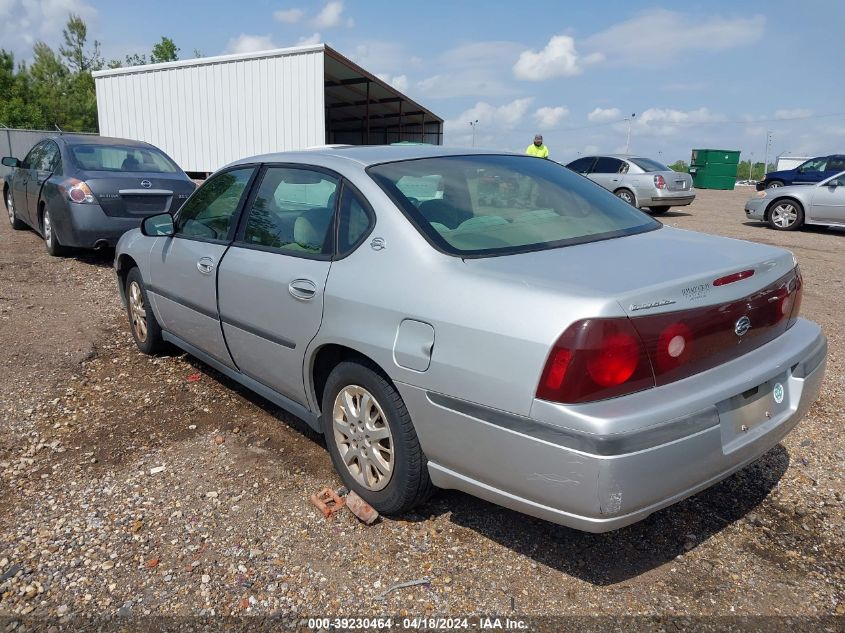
<point x="807" y="173"/>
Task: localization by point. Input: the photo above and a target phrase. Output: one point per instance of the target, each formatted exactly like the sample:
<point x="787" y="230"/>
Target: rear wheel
<point x="371" y="439"/>
<point x="16" y="223"/>
<point x="774" y="184"/>
<point x="625" y="194"/>
<point x="658" y="210"/>
<point x="51" y="240"/>
<point x="785" y="215"/>
<point x="142" y="322"/>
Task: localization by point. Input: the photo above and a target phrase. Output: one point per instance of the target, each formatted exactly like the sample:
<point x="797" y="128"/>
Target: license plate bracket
<point x="752" y="413"/>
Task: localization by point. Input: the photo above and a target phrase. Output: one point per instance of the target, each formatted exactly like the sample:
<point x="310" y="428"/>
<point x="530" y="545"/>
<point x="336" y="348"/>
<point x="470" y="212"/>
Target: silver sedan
<point x="790" y="208"/>
<point x="487" y="322"/>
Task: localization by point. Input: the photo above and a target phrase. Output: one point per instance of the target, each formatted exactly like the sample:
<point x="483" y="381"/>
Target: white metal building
<point x="210" y="111"/>
<point x="789" y="162"/>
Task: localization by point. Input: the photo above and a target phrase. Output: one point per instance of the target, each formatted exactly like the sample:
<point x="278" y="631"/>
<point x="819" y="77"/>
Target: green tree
<point x="49" y="86"/>
<point x="164" y="51"/>
<point x="679" y="165"/>
<point x="18" y="107"/>
<point x="74" y="51"/>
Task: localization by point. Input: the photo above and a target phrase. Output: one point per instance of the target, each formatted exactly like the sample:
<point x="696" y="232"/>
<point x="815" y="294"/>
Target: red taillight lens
<point x="659" y="182"/>
<point x="729" y="279"/>
<point x="595" y="359"/>
<point x="796" y="291"/>
<point x="77" y="191"/>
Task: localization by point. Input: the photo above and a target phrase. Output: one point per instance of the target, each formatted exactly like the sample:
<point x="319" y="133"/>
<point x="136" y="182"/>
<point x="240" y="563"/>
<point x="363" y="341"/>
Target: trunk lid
<point x="676" y="181"/>
<point x="138" y="194"/>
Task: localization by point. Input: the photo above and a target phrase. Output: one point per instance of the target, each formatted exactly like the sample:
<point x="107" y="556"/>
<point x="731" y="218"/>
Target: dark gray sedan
<point x="86" y="191"/>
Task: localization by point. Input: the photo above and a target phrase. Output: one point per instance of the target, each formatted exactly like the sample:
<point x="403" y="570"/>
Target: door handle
<point x="302" y="289"/>
<point x="205" y="265"/>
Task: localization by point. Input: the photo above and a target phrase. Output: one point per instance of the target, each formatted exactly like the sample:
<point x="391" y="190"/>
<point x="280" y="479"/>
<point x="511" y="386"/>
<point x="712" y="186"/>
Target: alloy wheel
<point x="48" y="229"/>
<point x="137" y="311"/>
<point x="363" y="437"/>
<point x="627" y="197"/>
<point x="784" y="215"/>
<point x="10" y="206"/>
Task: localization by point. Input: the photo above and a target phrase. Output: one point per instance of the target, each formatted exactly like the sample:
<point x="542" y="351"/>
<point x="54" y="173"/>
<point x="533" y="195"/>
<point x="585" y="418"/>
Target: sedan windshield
<point x="481" y="205"/>
<point x="122" y="158"/>
<point x="646" y="164"/>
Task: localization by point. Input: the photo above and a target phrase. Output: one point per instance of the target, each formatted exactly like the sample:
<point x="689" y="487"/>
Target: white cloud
<point x="471" y="70"/>
<point x="494" y="122"/>
<point x="658" y="36"/>
<point x="463" y="83"/>
<point x="330" y="16"/>
<point x="666" y="121"/>
<point x="548" y="117"/>
<point x="604" y="115"/>
<point x="400" y="82"/>
<point x="288" y="16"/>
<point x="23" y="22"/>
<point x="314" y="38"/>
<point x="384" y="56"/>
<point x="558" y="59"/>
<point x="244" y="43"/>
<point x="795" y="113"/>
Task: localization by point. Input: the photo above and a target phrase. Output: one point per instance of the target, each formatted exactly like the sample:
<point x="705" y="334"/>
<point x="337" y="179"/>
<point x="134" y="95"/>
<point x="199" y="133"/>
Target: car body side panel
<point x="827" y="204"/>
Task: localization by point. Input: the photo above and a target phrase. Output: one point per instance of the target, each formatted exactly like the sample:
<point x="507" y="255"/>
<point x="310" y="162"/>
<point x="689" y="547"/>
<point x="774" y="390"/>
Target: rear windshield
<point x="495" y="205"/>
<point x="646" y="164"/>
<point x="122" y="158"/>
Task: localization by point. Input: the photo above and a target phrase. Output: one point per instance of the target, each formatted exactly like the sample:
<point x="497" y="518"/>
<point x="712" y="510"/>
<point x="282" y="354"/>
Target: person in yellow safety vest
<point x="537" y="148"/>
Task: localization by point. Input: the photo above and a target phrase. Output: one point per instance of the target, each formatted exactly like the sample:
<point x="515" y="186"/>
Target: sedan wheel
<point x="371" y="439"/>
<point x="363" y="437"/>
<point x="627" y="196"/>
<point x="142" y="322"/>
<point x="50" y="239"/>
<point x="786" y="216"/>
<point x="137" y="311"/>
<point x="10" y="208"/>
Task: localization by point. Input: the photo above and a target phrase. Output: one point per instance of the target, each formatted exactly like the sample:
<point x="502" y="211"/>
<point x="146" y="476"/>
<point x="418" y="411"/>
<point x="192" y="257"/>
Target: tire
<point x="17" y="223"/>
<point x="658" y="210"/>
<point x="774" y="184"/>
<point x="51" y="240"/>
<point x="142" y="322"/>
<point x="405" y="483"/>
<point x="627" y="195"/>
<point x="785" y="215"/>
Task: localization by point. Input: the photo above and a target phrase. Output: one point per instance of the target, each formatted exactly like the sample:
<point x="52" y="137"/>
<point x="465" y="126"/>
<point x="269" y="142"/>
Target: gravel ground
<point x="156" y="487"/>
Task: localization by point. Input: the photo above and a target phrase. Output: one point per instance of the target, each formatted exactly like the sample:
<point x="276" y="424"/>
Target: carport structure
<point x="210" y="111"/>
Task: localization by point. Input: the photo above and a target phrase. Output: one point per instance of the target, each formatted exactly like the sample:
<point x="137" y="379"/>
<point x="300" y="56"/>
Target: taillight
<point x="596" y="359"/>
<point x="77" y="191"/>
<point x="659" y="182"/>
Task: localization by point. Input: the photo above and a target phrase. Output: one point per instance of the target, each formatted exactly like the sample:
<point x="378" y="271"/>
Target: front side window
<point x="33" y="159"/>
<point x="122" y="158"/>
<point x="581" y="165"/>
<point x="293" y="211"/>
<point x="608" y="165"/>
<point x="50" y="157"/>
<point x="208" y="213"/>
<point x="493" y="205"/>
<point x="816" y="164"/>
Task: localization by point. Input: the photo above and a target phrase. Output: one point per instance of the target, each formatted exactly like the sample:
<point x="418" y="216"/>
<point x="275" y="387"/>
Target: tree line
<point x="56" y="90"/>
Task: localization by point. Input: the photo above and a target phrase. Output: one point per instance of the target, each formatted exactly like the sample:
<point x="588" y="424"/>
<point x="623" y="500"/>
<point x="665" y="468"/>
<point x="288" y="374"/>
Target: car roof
<point x="367" y="155"/>
<point x="94" y="139"/>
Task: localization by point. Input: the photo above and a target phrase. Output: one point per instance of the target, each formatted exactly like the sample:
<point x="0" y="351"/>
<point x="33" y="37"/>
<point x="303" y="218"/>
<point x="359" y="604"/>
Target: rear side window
<point x="293" y="211"/>
<point x="581" y="165"/>
<point x="646" y="164"/>
<point x="354" y="221"/>
<point x="500" y="204"/>
<point x="208" y="213"/>
<point x="836" y="163"/>
<point x="122" y="158"/>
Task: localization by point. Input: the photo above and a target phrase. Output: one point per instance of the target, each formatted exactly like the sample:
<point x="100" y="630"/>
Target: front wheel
<point x="774" y="184"/>
<point x="626" y="195"/>
<point x="371" y="439"/>
<point x="51" y="240"/>
<point x="786" y="215"/>
<point x="16" y="223"/>
<point x="142" y="322"/>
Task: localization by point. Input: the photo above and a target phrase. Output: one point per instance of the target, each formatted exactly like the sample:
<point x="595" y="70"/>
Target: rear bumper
<point x="671" y="199"/>
<point x="646" y="451"/>
<point x="87" y="226"/>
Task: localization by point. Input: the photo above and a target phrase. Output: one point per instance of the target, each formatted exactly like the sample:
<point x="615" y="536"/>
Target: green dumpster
<point x="714" y="168"/>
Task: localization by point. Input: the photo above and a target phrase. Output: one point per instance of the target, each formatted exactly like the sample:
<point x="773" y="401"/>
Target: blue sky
<point x="709" y="74"/>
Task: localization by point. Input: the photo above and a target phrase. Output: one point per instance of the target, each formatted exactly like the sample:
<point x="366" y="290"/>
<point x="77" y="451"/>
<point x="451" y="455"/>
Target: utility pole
<point x="472" y="124"/>
<point x="628" y="140"/>
<point x="766" y="154"/>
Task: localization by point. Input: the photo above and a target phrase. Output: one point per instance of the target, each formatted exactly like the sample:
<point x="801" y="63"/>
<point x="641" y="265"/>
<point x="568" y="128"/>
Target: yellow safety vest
<point x="539" y="152"/>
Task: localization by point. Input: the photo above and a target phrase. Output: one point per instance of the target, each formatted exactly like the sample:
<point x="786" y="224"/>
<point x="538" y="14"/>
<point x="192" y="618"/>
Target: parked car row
<point x="86" y="191"/>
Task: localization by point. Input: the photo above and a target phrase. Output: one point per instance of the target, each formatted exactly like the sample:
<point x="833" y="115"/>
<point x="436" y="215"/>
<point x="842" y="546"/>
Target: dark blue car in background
<point x="807" y="173"/>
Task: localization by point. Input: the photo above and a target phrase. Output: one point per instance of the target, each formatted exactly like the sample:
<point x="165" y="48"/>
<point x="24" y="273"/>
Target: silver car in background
<point x="487" y="322"/>
<point x="642" y="182"/>
<point x="790" y="208"/>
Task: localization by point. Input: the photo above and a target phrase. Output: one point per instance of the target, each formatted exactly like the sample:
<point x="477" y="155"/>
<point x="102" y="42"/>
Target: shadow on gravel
<point x="672" y="214"/>
<point x="614" y="557"/>
<point x="103" y="258"/>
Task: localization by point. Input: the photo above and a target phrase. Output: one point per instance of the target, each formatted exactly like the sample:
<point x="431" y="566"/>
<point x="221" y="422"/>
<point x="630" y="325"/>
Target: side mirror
<point x="834" y="183"/>
<point x="11" y="161"/>
<point x="158" y="225"/>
